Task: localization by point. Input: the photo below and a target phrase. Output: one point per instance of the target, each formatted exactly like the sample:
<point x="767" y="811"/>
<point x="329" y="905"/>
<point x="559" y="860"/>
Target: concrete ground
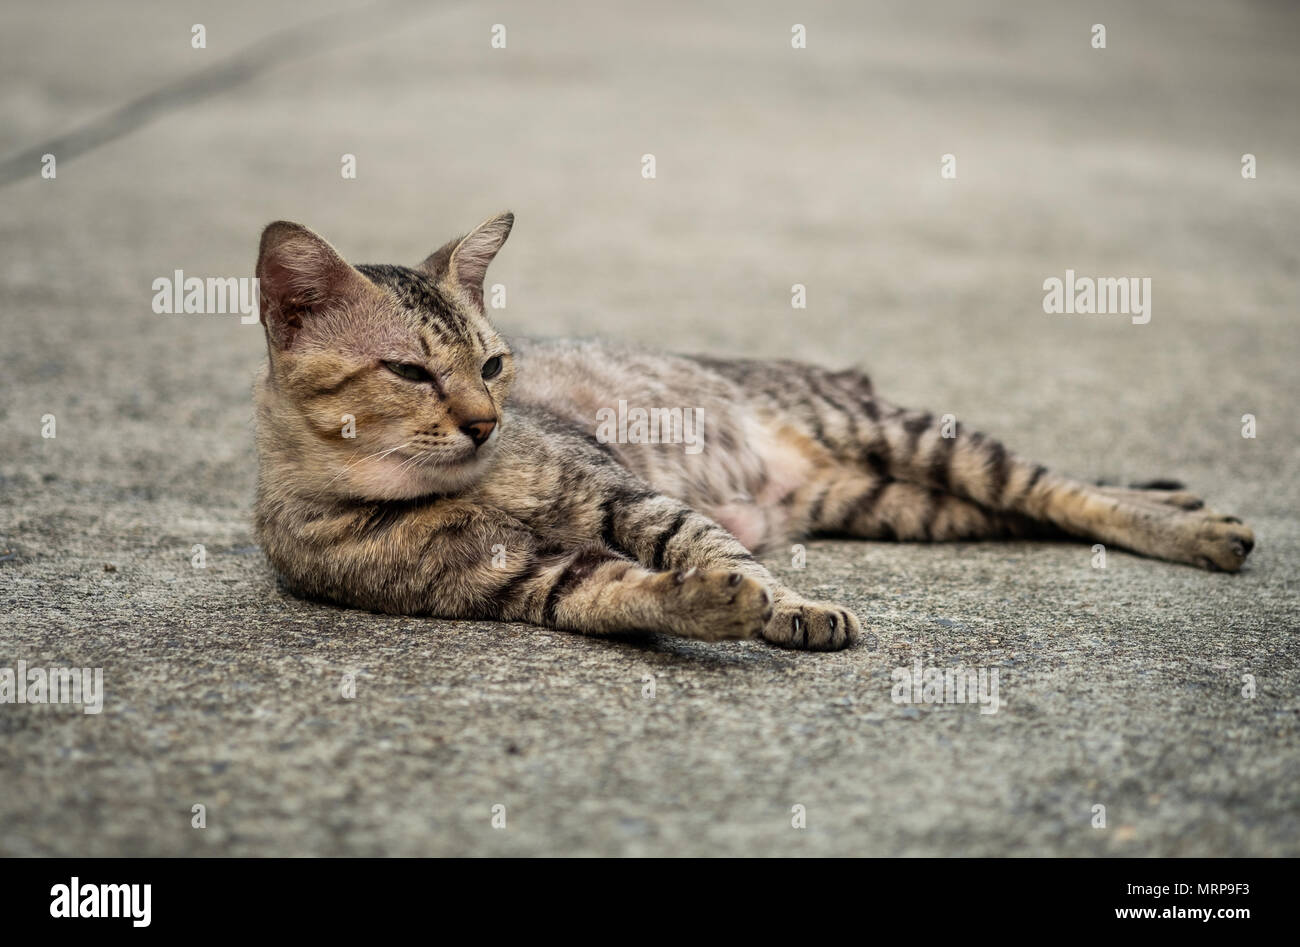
<point x="1122" y="686"/>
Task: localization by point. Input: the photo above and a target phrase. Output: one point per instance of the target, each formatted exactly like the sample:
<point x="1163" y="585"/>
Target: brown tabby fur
<point x="542" y="523"/>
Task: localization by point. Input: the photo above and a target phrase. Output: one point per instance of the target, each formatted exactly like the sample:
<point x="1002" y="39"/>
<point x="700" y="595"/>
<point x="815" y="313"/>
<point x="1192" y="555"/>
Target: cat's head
<point x="385" y="382"/>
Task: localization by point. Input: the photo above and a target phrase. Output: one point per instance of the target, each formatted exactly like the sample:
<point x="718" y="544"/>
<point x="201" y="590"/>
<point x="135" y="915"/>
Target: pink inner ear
<point x="469" y="265"/>
<point x="296" y="277"/>
<point x="471" y="283"/>
<point x="473" y="255"/>
<point x="287" y="294"/>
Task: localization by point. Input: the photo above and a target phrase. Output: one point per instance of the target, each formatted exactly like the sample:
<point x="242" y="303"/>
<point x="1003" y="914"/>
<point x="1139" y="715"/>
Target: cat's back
<point x="575" y="377"/>
<point x="592" y="382"/>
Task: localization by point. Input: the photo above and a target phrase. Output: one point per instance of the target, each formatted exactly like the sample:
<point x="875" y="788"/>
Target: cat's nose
<point x="478" y="431"/>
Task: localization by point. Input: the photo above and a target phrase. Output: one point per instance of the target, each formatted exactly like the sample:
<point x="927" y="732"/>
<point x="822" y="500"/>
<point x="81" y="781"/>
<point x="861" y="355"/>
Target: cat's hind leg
<point x="916" y="447"/>
<point x="844" y="501"/>
<point x="1166" y="492"/>
<point x="840" y="412"/>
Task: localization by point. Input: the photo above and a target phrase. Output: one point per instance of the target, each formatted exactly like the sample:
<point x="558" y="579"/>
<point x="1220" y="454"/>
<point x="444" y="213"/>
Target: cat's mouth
<point x="440" y="460"/>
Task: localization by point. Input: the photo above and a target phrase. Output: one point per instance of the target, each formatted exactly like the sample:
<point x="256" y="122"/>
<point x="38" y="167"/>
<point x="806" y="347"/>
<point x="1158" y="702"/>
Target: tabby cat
<point x="394" y="478"/>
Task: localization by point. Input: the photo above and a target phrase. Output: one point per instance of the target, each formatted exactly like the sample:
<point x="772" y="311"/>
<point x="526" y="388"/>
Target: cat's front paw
<point x="811" y="626"/>
<point x="715" y="605"/>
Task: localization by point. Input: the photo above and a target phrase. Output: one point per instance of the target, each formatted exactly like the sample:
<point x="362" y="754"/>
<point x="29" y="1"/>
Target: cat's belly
<point x="740" y="478"/>
<point x="759" y="516"/>
<point x="683" y="428"/>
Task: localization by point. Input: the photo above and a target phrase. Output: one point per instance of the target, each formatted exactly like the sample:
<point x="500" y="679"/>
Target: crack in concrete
<point x="284" y="46"/>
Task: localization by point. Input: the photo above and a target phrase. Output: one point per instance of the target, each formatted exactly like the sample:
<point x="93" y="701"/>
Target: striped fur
<point x="543" y="523"/>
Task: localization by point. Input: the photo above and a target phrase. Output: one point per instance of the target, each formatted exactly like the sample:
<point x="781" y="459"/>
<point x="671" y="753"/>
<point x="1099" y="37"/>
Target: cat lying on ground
<point x="396" y="476"/>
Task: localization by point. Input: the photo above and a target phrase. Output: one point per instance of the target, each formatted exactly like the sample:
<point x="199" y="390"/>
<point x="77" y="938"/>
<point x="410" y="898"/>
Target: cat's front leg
<point x="463" y="560"/>
<point x="595" y="591"/>
<point x="663" y="533"/>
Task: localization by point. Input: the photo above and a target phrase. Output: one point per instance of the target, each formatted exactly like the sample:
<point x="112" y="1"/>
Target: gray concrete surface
<point x="1122" y="687"/>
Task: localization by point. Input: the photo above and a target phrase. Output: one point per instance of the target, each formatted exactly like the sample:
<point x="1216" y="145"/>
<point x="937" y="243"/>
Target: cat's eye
<point x="492" y="367"/>
<point x="408" y="371"/>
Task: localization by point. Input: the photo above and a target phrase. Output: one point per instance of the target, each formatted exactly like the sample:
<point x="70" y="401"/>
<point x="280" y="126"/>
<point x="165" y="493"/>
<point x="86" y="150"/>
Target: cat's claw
<point x="811" y="626"/>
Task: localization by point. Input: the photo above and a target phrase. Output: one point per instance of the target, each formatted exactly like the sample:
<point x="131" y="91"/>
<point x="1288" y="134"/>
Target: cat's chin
<point x="398" y="478"/>
<point x="436" y="477"/>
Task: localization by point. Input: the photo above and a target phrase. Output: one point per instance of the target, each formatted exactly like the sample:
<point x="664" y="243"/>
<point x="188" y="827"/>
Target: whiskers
<point x="378" y="455"/>
<point x="410" y="461"/>
<point x="433" y="457"/>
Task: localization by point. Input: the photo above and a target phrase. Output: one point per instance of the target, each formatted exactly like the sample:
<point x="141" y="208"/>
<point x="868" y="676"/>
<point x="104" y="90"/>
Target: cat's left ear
<point x="463" y="263"/>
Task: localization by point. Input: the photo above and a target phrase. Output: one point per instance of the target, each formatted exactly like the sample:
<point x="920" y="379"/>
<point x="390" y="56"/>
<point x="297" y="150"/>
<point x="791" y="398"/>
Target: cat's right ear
<point x="299" y="274"/>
